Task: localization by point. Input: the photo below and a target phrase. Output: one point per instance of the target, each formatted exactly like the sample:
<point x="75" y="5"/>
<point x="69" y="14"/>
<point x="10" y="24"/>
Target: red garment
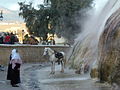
<point x="7" y="39"/>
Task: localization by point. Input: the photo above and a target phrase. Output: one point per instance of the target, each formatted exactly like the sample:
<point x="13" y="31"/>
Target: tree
<point x="68" y="10"/>
<point x="36" y="20"/>
<point x="59" y="15"/>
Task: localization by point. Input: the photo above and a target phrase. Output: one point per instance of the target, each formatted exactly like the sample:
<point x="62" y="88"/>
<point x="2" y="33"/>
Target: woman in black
<point x="14" y="68"/>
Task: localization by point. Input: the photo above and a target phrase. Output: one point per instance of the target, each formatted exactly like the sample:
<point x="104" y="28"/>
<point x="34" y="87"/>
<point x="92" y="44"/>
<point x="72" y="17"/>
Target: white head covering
<point x="15" y="58"/>
<point x="15" y="55"/>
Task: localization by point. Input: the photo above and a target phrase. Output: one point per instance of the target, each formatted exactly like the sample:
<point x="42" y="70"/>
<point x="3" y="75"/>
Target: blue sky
<point x="13" y="4"/>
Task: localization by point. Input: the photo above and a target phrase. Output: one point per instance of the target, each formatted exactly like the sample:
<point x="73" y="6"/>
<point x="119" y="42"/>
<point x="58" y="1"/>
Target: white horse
<point x="53" y="58"/>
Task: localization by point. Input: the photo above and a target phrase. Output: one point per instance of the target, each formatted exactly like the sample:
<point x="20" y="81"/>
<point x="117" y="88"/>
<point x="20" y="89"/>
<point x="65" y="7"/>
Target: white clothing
<point x="15" y="58"/>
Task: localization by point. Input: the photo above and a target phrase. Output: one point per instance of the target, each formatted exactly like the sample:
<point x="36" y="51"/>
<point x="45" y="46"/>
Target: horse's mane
<point x="50" y="49"/>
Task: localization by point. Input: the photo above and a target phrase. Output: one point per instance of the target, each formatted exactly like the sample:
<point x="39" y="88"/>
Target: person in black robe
<point x="13" y="73"/>
<point x="9" y="69"/>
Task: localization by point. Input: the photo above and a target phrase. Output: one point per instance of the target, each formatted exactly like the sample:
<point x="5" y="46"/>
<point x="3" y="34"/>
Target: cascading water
<point x="85" y="51"/>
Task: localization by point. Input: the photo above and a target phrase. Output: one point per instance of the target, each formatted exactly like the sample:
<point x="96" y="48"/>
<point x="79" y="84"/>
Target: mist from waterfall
<point x="85" y="49"/>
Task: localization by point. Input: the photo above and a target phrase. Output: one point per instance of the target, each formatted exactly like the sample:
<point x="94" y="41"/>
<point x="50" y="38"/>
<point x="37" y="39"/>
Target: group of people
<point x="48" y="42"/>
<point x="30" y="40"/>
<point x="33" y="41"/>
<point x="8" y="38"/>
<point x="13" y="73"/>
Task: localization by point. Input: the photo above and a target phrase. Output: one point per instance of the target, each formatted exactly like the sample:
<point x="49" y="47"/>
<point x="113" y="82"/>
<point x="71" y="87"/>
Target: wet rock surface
<point x="38" y="77"/>
<point x="109" y="50"/>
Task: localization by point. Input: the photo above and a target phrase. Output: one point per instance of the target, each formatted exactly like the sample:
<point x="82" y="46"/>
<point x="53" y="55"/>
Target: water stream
<point x="85" y="50"/>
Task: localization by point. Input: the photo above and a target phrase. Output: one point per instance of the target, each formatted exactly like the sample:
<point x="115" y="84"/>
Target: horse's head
<point x="48" y="51"/>
<point x="45" y="51"/>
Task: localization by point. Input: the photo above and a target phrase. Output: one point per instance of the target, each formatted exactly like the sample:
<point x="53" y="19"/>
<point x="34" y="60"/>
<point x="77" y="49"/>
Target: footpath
<point x="5" y="84"/>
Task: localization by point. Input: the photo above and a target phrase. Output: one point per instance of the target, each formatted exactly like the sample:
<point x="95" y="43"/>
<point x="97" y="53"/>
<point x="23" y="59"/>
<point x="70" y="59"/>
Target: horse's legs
<point x="53" y="68"/>
<point x="62" y="67"/>
<point x="65" y="62"/>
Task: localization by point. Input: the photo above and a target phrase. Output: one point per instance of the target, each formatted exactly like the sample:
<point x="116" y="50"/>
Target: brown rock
<point x="109" y="50"/>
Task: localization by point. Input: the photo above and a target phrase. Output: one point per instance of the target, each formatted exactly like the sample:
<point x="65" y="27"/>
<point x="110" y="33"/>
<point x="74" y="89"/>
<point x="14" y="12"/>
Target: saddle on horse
<point x="59" y="56"/>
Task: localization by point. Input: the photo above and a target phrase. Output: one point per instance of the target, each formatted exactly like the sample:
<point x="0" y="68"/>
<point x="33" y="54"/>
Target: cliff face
<point x="109" y="50"/>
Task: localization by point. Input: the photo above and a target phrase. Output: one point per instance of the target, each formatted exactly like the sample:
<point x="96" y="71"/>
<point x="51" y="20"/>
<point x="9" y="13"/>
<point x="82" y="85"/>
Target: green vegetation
<point x="55" y="17"/>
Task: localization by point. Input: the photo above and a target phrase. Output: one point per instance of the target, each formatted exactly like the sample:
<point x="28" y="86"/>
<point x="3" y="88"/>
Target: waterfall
<point x="85" y="50"/>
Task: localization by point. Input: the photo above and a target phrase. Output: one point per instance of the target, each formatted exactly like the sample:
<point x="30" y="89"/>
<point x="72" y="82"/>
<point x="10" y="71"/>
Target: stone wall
<point x="29" y="53"/>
